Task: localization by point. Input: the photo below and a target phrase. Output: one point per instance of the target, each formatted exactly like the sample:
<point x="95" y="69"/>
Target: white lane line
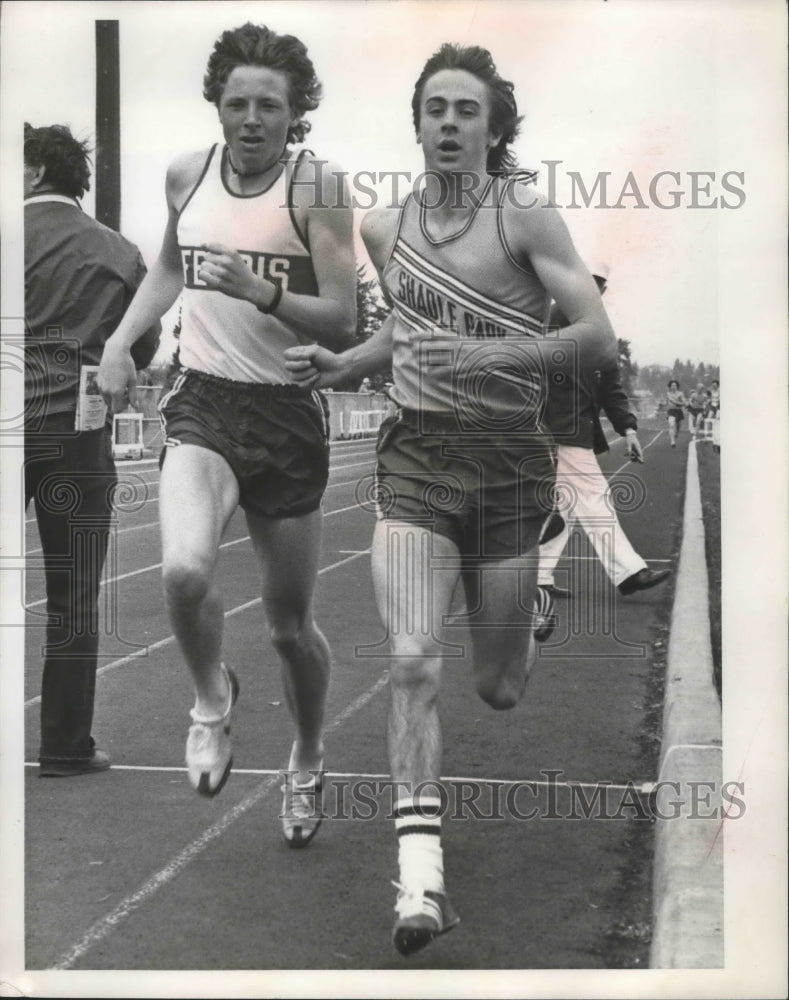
<point x="359" y="449"/>
<point x="154" y="566"/>
<point x="114" y="530"/>
<point x="597" y="559"/>
<point x="331" y="513"/>
<point x="342" y="510"/>
<point x="625" y="464"/>
<point x="339" y="468"/>
<point x="643" y="787"/>
<point x="155" y="481"/>
<point x="136" y="527"/>
<point x="345" y="482"/>
<point x="138" y="572"/>
<point x="106" y="925"/>
<point x="155" y="524"/>
<point x="135" y="462"/>
<point x="152" y="647"/>
<point x="351" y="465"/>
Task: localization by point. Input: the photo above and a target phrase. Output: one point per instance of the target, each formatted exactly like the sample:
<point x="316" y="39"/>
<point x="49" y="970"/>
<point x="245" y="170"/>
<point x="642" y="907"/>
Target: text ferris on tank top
<point x="222" y="335"/>
<point x="466" y="317"/>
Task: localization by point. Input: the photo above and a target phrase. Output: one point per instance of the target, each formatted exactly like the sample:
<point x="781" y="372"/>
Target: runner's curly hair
<point x="504" y="116"/>
<point x="257" y="45"/>
<point x="64" y="157"/>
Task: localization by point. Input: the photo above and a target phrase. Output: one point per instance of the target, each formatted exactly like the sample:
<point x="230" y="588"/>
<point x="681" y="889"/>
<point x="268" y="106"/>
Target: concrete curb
<point x="688" y="865"/>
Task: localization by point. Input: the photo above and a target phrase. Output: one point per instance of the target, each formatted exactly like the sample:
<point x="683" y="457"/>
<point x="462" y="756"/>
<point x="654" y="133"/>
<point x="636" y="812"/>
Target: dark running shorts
<point x="275" y="438"/>
<point x="490" y="495"/>
<point x="676" y="414"/>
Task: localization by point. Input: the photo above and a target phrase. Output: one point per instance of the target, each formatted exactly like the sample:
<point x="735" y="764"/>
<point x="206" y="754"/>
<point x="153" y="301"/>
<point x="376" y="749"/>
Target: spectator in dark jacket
<point x="573" y="416"/>
<point x="80" y="277"/>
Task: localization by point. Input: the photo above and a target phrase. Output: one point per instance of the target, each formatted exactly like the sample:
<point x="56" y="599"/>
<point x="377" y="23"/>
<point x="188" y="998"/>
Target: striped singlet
<point x="222" y="335"/>
<point x="467" y="317"/>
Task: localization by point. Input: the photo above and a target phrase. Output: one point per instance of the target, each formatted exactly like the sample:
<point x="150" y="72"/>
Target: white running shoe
<point x="302" y="807"/>
<point x="421" y="916"/>
<point x="209" y="754"/>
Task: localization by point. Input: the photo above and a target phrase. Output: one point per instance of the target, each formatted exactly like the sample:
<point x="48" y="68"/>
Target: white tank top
<point x="230" y="337"/>
<point x="465" y="310"/>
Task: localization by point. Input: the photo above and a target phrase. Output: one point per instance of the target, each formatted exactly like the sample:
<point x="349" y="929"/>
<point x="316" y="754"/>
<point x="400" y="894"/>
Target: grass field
<point x="710" y="480"/>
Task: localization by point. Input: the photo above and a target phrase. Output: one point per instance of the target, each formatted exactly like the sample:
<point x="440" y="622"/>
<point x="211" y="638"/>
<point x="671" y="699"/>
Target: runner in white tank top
<point x="458" y="284"/>
<point x="226" y="336"/>
<point x="263" y="264"/>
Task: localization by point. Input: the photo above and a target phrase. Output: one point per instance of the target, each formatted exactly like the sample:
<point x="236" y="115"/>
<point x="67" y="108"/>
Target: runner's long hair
<point x="504" y="116"/>
<point x="257" y="45"/>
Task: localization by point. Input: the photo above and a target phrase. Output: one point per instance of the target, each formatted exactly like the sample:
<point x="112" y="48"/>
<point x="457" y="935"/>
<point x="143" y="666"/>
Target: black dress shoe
<point x="66" y="767"/>
<point x="556" y="591"/>
<point x="643" y="580"/>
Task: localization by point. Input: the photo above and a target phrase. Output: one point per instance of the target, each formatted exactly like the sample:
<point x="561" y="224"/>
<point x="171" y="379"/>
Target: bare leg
<point x="414" y="593"/>
<point x="500" y="601"/>
<point x="413" y="598"/>
<point x="198" y="495"/>
<point x="288" y="552"/>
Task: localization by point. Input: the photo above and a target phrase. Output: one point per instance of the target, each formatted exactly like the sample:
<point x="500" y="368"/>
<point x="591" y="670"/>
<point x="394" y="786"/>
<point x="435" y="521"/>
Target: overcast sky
<point x="627" y="88"/>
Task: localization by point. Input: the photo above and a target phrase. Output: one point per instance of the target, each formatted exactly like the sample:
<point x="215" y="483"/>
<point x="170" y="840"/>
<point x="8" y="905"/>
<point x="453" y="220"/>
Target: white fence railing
<point x="365" y="422"/>
<point x="138" y="433"/>
<point x="127" y="436"/>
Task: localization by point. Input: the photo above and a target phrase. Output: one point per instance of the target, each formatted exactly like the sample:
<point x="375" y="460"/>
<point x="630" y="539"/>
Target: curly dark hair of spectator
<point x="504" y="118"/>
<point x="65" y="158"/>
<point x="257" y="45"/>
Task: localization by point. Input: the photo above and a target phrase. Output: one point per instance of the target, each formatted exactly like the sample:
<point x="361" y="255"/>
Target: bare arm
<point x="321" y="368"/>
<point x="323" y="208"/>
<point x="314" y="365"/>
<point x="159" y="289"/>
<point x="538" y="235"/>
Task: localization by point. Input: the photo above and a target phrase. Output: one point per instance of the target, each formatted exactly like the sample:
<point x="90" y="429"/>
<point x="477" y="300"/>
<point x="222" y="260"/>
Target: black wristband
<point x="274" y="302"/>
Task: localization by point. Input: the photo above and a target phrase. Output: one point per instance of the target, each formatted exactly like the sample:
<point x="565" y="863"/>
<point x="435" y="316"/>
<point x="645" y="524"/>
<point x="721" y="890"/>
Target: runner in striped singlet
<point x="262" y="265"/>
<point x="469" y="267"/>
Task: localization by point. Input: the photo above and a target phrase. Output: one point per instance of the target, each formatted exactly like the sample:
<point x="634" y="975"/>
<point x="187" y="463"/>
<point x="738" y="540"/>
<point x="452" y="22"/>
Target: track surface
<point x="129" y="869"/>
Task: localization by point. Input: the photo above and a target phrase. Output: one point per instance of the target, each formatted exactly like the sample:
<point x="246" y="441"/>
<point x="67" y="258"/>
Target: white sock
<point x="418" y="827"/>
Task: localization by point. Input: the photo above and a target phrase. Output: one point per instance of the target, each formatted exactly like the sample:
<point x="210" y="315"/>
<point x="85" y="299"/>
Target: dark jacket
<point x="80" y="277"/>
<point x="590" y="383"/>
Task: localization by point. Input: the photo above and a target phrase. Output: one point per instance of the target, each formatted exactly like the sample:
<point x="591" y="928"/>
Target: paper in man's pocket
<point x="91" y="408"/>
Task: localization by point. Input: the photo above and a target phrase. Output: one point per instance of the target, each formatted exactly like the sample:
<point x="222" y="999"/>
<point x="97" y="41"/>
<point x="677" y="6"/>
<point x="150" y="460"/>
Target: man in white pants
<point x="573" y="417"/>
